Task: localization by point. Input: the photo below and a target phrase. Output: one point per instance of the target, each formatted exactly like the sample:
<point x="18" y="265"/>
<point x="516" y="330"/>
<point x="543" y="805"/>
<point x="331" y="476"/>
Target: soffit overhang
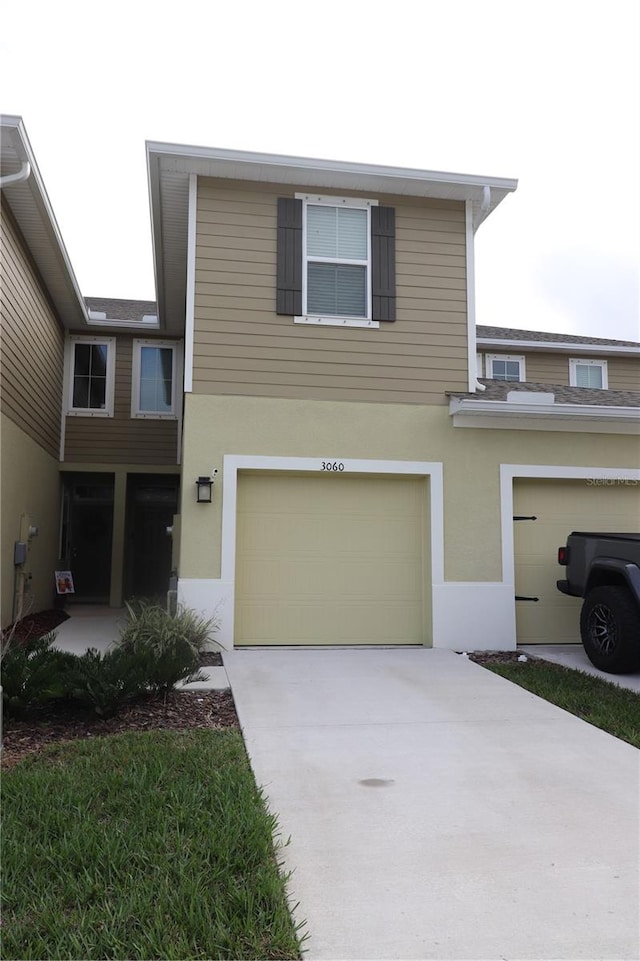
<point x="170" y="167"/>
<point x="31" y="208"/>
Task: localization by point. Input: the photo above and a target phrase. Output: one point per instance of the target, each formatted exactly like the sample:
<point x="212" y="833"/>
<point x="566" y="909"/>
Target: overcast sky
<point x="545" y="92"/>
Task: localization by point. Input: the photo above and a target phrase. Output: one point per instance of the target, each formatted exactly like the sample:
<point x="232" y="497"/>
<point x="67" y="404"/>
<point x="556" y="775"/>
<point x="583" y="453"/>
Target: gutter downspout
<point x="472" y="224"/>
<point x="23" y="174"/>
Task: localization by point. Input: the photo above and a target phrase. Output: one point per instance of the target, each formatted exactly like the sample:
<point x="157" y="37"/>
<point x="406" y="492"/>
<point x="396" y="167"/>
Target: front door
<point x="152" y="501"/>
<point x="87" y="535"/>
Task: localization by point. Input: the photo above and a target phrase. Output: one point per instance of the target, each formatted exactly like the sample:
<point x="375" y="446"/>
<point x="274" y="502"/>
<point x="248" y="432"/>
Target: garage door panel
<point x="294" y="533"/>
<point x="330" y="560"/>
<point x="306" y="622"/>
<point x="560" y="506"/>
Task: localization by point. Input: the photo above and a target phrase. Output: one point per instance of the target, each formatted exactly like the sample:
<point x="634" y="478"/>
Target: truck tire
<point x="610" y="629"/>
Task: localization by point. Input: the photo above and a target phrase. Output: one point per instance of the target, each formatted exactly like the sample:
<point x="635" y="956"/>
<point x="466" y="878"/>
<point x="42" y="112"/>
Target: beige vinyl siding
<point x="121" y="439"/>
<point x="243" y="347"/>
<point x="624" y="373"/>
<point x="32" y="345"/>
<point x="545" y="367"/>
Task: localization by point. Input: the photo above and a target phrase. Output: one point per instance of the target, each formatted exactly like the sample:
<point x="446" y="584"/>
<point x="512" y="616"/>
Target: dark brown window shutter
<point x="383" y="263"/>
<point x="289" y="278"/>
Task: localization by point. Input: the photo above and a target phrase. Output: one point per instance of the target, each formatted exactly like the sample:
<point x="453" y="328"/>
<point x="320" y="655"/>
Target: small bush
<point x="103" y="682"/>
<point x="33" y="672"/>
<point x="169" y="644"/>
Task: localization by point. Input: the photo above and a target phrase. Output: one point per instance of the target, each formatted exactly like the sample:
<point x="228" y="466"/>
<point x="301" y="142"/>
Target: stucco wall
<point x="471" y="459"/>
<point x="31" y="488"/>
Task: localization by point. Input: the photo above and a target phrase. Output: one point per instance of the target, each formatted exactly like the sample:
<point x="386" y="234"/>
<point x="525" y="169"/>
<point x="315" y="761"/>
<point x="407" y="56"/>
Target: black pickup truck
<point x="604" y="569"/>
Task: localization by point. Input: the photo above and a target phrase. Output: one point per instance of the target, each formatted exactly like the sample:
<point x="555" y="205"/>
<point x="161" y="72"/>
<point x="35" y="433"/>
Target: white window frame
<point x="176" y="394"/>
<point x="575" y="362"/>
<point x="518" y="358"/>
<point x="70" y="352"/>
<point x="334" y="320"/>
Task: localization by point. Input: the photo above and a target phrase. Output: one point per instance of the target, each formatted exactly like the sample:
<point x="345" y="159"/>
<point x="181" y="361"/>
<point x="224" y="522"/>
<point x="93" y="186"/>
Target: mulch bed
<point x="56" y="722"/>
<point x="497" y="657"/>
<point x="180" y="710"/>
<point x="35" y="625"/>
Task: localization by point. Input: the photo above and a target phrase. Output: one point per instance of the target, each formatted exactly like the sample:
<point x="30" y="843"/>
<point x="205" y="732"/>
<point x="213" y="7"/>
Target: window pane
<point x="588" y="375"/>
<point x="97" y="393"/>
<point x="82" y="360"/>
<point x="336" y="290"/>
<point x="156" y="379"/>
<point x="505" y="370"/>
<point x="339" y="232"/>
<point x="80" y="392"/>
<point x="352" y="233"/>
<point x="90" y="376"/>
<point x="99" y="359"/>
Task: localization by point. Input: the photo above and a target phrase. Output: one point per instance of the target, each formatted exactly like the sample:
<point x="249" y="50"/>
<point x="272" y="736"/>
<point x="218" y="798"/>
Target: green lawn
<point x="603" y="704"/>
<point x="142" y="846"/>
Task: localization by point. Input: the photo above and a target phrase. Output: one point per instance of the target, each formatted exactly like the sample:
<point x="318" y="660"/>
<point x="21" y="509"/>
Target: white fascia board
<point x="332" y="174"/>
<point x="250" y="161"/>
<point x="126" y="324"/>
<point x="553" y="345"/>
<point x="501" y="408"/>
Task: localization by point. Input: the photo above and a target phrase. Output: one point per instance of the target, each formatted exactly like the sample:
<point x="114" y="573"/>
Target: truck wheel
<point x="610" y="629"/>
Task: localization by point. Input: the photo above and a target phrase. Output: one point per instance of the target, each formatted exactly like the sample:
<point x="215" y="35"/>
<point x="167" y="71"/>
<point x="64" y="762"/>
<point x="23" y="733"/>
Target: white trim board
<point x="190" y="316"/>
<point x="313" y="465"/>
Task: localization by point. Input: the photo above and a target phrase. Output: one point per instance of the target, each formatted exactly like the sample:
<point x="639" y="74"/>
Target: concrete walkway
<point x="436" y="810"/>
<point x="573" y="656"/>
<point x="91" y="625"/>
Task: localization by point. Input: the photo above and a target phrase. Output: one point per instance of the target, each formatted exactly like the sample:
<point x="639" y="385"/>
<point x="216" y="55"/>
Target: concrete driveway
<point x="436" y="810"/>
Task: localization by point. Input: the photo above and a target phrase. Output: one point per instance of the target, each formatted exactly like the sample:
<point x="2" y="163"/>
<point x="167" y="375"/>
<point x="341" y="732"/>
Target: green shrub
<point x="103" y="682"/>
<point x="33" y="672"/>
<point x="169" y="644"/>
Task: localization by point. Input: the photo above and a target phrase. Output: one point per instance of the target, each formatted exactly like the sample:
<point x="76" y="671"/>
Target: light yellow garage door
<point x="331" y="560"/>
<point x="561" y="506"/>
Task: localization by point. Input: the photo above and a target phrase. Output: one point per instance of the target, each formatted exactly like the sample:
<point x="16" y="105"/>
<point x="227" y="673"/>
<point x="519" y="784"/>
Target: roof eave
<point x="31" y="207"/>
<point x="183" y="161"/>
<point x="558" y="346"/>
<point x="464" y="411"/>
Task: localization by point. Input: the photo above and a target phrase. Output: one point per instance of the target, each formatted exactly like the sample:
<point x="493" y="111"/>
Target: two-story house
<point x="369" y="479"/>
<point x="364" y="454"/>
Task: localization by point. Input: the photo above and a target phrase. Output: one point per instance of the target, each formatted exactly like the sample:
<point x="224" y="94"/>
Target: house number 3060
<point x="332" y="465"/>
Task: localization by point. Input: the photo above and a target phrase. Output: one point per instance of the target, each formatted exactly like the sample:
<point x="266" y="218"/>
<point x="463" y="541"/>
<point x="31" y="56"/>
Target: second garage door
<point x="560" y="506"/>
<point x="331" y="560"/>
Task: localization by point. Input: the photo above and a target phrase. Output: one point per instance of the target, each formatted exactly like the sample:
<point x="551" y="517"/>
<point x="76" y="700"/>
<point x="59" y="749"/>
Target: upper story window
<point x="90" y="376"/>
<point x="154" y="382"/>
<point x="505" y="367"/>
<point x="336" y="261"/>
<point x="588" y="373"/>
<point x="336" y="281"/>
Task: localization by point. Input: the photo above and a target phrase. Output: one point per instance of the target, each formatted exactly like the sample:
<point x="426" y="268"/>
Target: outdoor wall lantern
<point x="204" y="490"/>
